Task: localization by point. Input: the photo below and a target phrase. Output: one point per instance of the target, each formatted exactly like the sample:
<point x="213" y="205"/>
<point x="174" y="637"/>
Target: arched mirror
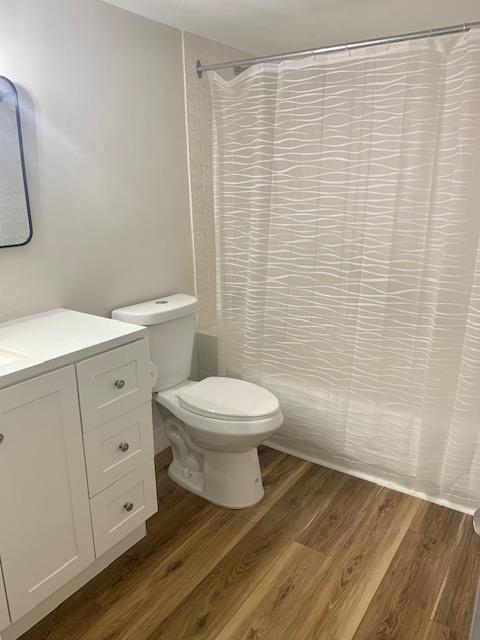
<point x="15" y="218"/>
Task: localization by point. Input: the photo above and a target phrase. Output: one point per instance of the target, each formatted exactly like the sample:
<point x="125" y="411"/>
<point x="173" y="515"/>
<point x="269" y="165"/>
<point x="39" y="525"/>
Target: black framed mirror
<point x="15" y="215"/>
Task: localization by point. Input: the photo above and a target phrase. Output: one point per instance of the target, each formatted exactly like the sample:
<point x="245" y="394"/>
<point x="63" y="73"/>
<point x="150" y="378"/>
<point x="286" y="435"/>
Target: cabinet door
<point x="4" y="616"/>
<point x="45" y="528"/>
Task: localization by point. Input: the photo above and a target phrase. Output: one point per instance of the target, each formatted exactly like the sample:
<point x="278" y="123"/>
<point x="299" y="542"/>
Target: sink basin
<point x="7" y="356"/>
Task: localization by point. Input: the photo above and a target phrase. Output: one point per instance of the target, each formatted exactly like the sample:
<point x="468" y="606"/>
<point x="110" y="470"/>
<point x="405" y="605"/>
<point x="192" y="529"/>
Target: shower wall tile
<point x="199" y="130"/>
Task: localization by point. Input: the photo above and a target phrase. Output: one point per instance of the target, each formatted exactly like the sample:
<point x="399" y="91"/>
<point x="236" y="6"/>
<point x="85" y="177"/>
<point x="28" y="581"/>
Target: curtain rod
<point x="239" y="65"/>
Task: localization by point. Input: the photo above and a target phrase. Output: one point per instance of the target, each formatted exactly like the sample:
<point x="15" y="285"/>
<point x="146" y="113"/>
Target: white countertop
<point x="45" y="341"/>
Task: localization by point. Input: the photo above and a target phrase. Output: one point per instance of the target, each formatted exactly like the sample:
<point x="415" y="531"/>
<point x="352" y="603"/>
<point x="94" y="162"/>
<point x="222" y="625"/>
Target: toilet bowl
<point x="213" y="426"/>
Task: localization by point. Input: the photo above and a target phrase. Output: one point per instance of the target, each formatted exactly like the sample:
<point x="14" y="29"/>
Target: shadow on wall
<point x="206" y="355"/>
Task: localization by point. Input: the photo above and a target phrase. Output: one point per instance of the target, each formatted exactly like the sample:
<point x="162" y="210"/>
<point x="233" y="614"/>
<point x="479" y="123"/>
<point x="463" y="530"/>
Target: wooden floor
<point x="323" y="556"/>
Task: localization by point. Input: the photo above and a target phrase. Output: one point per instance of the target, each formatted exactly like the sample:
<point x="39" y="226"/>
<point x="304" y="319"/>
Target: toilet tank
<point x="170" y="324"/>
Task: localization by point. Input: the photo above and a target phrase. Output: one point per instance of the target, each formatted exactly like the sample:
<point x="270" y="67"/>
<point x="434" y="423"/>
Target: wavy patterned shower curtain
<point x="347" y="213"/>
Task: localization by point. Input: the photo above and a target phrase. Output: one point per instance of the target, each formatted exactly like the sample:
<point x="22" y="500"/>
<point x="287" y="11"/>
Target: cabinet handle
<point x="124" y="446"/>
<point x="128" y="506"/>
<point x="2" y="438"/>
<point x="119" y="384"/>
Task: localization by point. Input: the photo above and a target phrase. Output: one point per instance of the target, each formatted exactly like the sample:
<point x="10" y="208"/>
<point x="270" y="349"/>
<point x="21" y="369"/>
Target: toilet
<point x="214" y="426"/>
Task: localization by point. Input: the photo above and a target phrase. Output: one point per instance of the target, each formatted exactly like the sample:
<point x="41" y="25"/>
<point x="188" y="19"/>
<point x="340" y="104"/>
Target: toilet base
<point x="231" y="480"/>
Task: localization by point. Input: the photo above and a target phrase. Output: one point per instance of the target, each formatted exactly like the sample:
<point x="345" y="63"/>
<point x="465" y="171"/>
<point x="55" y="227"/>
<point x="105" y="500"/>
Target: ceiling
<point x="270" y="26"/>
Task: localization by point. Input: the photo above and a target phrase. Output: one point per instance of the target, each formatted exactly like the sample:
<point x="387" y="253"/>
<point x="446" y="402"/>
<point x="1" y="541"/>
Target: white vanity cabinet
<point x="77" y="479"/>
<point x="45" y="531"/>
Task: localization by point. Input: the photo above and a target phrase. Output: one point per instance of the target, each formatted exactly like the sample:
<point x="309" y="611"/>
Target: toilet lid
<point x="228" y="398"/>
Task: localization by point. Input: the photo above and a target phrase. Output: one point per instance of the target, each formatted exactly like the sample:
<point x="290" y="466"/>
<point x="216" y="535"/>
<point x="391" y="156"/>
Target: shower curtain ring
<point x="389" y="42"/>
<point x="465" y="30"/>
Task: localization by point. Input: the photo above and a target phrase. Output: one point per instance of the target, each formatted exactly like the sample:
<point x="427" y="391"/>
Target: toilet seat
<point x="213" y="430"/>
<point x="228" y="399"/>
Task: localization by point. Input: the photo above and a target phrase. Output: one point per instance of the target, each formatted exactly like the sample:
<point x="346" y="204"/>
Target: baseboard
<point x="375" y="479"/>
<point x="25" y="623"/>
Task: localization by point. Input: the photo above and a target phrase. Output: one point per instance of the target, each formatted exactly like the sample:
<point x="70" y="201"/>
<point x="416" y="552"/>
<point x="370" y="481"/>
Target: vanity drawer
<point x="117" y="447"/>
<point x="113" y="383"/>
<point x="123" y="507"/>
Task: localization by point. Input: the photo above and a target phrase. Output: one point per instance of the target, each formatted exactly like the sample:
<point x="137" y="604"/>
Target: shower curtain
<point x="347" y="215"/>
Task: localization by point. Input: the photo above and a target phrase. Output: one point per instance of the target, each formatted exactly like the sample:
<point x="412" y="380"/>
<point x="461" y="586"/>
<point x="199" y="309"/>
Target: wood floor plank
<point x="323" y="557"/>
<point x="279" y="476"/>
<point x="180" y="566"/>
<point x="175" y="576"/>
<point x="174" y="572"/>
<point x="404" y="603"/>
<point x="281" y="599"/>
<point x="202" y="615"/>
<point x="435" y="521"/>
<point x="162" y="460"/>
<point x="435" y="631"/>
<point x="268" y="456"/>
<point x="360" y="565"/>
<point x="329" y="532"/>
<point x="425" y="582"/>
<point x="454" y="607"/>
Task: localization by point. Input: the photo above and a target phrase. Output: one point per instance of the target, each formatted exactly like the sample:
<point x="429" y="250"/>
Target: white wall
<point x="104" y="131"/>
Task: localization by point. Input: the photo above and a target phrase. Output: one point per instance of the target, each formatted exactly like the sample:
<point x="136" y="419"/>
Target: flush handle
<point x="119" y="384"/>
<point x="124" y="446"/>
<point x="128" y="506"/>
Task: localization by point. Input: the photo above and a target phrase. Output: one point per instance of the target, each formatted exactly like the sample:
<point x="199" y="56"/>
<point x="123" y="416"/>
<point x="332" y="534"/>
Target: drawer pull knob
<point x="128" y="506"/>
<point x="124" y="446"/>
<point x="119" y="384"/>
<point x="2" y="438"/>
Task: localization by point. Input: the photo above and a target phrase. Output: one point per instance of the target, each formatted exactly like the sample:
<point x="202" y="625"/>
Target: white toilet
<point x="214" y="426"/>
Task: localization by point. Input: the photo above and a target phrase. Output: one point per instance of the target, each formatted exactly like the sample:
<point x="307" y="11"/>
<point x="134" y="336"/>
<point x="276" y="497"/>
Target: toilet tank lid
<point x="158" y="310"/>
